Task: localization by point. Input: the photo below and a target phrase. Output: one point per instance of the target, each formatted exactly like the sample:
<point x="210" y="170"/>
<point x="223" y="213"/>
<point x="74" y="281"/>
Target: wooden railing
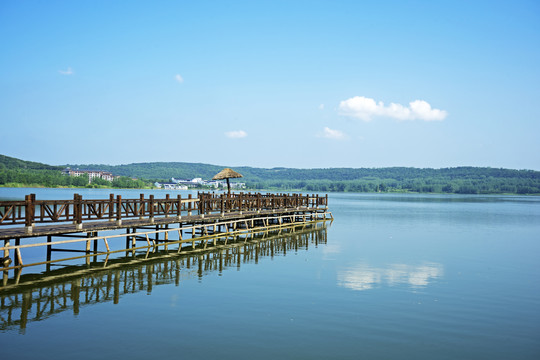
<point x="32" y="211"/>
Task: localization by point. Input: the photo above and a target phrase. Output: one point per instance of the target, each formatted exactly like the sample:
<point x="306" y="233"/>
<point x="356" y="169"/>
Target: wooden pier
<point x="143" y="223"/>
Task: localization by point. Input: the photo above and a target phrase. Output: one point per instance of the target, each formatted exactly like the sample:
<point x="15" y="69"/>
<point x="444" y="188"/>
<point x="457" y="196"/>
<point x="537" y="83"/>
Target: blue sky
<point x="310" y="84"/>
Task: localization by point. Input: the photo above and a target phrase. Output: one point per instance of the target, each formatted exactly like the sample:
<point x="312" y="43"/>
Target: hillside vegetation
<point x="465" y="180"/>
<point x="10" y="163"/>
<point x="461" y="180"/>
<point x="16" y="172"/>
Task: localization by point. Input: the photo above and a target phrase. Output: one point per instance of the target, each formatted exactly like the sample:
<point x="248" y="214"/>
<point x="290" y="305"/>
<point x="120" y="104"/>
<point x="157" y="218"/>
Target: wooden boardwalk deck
<point x="94" y="226"/>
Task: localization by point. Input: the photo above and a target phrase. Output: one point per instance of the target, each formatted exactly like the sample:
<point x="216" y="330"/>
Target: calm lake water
<point x="393" y="277"/>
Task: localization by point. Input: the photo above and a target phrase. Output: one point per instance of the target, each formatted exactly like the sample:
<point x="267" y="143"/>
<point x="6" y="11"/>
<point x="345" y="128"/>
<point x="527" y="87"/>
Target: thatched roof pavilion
<point x="227" y="173"/>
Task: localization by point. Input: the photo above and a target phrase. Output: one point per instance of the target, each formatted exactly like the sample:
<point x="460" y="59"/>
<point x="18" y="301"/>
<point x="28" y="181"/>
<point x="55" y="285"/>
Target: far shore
<point x="38" y="186"/>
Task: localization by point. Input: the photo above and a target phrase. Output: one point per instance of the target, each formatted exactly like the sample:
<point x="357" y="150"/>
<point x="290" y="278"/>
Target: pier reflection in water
<point x="36" y="297"/>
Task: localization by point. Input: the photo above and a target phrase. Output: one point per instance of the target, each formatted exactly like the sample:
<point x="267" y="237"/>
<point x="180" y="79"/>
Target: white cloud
<point x="179" y="78"/>
<point x="366" y="109"/>
<point x="321" y="107"/>
<point x="332" y="134"/>
<point x="236" y="134"/>
<point x="69" y="71"/>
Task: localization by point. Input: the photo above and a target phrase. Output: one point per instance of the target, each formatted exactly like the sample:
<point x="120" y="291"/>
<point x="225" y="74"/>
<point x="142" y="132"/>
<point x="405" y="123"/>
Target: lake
<point x="393" y="276"/>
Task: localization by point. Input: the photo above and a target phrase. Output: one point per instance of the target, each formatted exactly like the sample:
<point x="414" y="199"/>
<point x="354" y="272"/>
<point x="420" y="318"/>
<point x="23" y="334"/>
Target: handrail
<point x="31" y="211"/>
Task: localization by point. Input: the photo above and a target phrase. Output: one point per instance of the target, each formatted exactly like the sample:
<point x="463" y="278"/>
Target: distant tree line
<point x="16" y="172"/>
<point x="48" y="178"/>
<point x="54" y="178"/>
<point x="459" y="180"/>
<point x="419" y="185"/>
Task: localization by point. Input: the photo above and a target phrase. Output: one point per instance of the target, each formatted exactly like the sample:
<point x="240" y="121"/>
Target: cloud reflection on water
<point x="365" y="277"/>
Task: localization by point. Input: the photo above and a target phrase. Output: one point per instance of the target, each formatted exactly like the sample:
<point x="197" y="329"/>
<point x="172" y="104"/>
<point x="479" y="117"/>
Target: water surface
<point x="397" y="276"/>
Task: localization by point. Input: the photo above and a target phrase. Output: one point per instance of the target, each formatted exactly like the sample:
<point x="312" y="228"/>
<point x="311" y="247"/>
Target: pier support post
<point x="18" y="252"/>
<point x="49" y="247"/>
<point x="94" y="234"/>
<point x="88" y="243"/>
<point x="6" y="260"/>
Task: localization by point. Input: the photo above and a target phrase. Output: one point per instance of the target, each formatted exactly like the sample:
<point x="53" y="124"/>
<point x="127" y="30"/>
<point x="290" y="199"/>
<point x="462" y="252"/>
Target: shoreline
<point x="103" y="187"/>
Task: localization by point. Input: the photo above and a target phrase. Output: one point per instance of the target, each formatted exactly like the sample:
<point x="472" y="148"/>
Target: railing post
<point x="77" y="205"/>
<point x="75" y="209"/>
<point x="29" y="212"/>
<point x="142" y="207"/>
<point x="111" y="207"/>
<point x="118" y="210"/>
<point x="151" y="209"/>
<point x="222" y="205"/>
<point x="167" y="205"/>
<point x="240" y="202"/>
<point x="179" y="207"/>
<point x="189" y="205"/>
<point x="259" y="203"/>
<point x="202" y="204"/>
<point x="326" y="202"/>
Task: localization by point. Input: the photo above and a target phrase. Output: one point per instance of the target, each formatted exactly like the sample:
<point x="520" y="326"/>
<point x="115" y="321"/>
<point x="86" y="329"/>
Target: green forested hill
<point x="464" y="180"/>
<point x="12" y="163"/>
<point x="157" y="170"/>
<point x="449" y="180"/>
<point x="16" y="172"/>
<point x="181" y="170"/>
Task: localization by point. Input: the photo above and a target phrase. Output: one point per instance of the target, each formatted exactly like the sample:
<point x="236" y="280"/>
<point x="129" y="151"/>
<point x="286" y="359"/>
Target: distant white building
<point x="170" y="186"/>
<point x="92" y="174"/>
<point x="189" y="183"/>
<point x="237" y="185"/>
<point x="214" y="183"/>
<point x="200" y="182"/>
